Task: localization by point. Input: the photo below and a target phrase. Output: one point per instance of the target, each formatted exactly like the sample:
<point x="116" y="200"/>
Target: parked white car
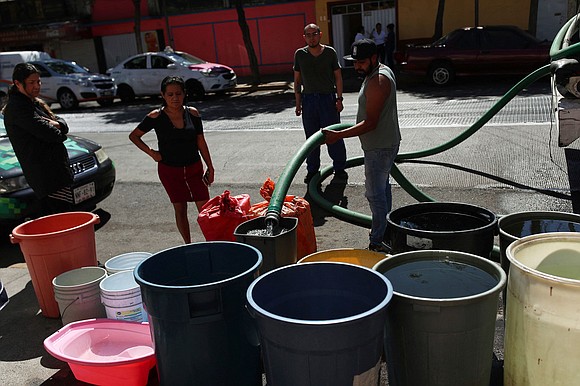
<point x="67" y="83"/>
<point x="141" y="75"/>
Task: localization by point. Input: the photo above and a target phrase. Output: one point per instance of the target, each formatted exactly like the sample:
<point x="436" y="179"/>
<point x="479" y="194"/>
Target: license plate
<point x="84" y="192"/>
<point x="106" y="93"/>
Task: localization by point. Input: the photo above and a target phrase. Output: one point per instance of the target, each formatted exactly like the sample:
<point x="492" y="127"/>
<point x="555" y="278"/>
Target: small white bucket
<point x="121" y="296"/>
<point x="77" y="294"/>
<point x="125" y="262"/>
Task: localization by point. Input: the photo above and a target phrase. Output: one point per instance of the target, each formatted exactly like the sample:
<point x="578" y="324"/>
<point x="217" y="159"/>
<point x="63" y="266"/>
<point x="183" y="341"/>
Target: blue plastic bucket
<point x="321" y="323"/>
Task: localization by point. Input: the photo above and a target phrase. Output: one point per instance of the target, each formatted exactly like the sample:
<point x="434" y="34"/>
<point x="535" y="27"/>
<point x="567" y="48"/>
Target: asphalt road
<point x="508" y="166"/>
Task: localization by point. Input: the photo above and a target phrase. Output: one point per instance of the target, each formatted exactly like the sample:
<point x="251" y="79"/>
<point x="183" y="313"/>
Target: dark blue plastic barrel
<point x="451" y="226"/>
<point x="321" y="323"/>
<point x="195" y="296"/>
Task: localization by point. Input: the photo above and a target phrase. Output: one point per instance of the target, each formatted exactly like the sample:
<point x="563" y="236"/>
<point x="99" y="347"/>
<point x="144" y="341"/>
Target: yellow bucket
<point x="360" y="257"/>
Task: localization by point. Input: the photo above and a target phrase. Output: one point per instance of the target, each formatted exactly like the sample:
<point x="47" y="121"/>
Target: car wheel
<point x="67" y="99"/>
<point x="195" y="90"/>
<point x="105" y="102"/>
<point x="441" y="74"/>
<point x="126" y="93"/>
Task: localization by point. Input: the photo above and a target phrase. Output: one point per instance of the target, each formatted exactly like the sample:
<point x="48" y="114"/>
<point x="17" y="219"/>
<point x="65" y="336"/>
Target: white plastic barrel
<point x="121" y="296"/>
<point x="77" y="293"/>
<point x="542" y="332"/>
<point x="125" y="262"/>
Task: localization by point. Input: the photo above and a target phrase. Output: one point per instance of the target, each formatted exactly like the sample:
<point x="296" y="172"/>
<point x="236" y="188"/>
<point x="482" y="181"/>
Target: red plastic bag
<point x="293" y="206"/>
<point x="220" y="216"/>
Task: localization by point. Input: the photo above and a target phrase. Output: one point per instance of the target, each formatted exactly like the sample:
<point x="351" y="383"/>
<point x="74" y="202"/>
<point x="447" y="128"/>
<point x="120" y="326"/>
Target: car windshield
<point x="444" y="39"/>
<point x="66" y="68"/>
<point x="185" y="58"/>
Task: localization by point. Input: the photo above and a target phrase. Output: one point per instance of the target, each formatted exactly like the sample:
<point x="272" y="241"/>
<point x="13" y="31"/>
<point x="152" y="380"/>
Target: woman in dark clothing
<point x="182" y="146"/>
<point x="37" y="137"/>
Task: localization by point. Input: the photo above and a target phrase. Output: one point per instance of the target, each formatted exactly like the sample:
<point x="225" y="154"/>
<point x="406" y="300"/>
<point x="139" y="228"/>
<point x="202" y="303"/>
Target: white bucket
<point x="542" y="332"/>
<point x="77" y="294"/>
<point x="121" y="296"/>
<point x="125" y="262"/>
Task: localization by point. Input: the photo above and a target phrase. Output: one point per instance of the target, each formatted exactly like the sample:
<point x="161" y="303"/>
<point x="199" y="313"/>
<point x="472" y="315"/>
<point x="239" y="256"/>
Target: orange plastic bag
<point x="293" y="206"/>
<point x="220" y="216"/>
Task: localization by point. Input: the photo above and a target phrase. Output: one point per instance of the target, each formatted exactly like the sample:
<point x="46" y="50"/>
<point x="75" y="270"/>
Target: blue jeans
<point x="378" y="165"/>
<point x="318" y="112"/>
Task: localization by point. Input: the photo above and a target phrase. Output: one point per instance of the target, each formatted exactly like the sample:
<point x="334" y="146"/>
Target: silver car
<point x="67" y="83"/>
<point x="141" y="75"/>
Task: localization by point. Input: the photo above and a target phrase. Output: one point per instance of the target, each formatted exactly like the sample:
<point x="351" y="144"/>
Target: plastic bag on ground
<point x="220" y="216"/>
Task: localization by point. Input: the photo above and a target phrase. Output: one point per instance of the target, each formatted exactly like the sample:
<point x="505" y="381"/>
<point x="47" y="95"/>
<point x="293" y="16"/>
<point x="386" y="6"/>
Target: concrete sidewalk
<point x="455" y="176"/>
<point x="23" y="360"/>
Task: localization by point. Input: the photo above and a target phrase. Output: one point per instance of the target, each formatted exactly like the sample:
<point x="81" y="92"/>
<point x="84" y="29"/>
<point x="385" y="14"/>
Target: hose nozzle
<point x="272" y="219"/>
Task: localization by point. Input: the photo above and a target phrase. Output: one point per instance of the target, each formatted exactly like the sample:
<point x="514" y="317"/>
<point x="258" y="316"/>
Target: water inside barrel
<point x="266" y="232"/>
<point x="442" y="222"/>
<point x="560" y="260"/>
<point x="439" y="279"/>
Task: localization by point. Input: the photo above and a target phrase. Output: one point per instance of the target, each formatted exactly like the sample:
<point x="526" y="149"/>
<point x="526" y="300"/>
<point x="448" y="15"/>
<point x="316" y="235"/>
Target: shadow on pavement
<point x="334" y="193"/>
<point x="24" y="329"/>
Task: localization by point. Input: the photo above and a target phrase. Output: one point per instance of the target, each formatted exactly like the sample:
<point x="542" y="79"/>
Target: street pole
<point x="169" y="34"/>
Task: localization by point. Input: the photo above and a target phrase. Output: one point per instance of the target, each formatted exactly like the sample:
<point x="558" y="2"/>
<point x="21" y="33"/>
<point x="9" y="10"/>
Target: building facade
<point x="98" y="34"/>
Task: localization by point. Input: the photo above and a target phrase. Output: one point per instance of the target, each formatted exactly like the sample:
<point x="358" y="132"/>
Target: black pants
<point x="381" y="52"/>
<point x="58" y="202"/>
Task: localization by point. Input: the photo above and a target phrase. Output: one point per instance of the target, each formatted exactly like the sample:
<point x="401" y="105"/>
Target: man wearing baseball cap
<point x="378" y="130"/>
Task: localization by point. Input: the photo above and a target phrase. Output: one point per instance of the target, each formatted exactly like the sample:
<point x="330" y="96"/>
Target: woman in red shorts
<point x="182" y="147"/>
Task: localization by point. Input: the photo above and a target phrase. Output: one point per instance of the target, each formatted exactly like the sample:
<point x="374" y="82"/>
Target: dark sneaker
<point x="341" y="175"/>
<point x="309" y="177"/>
<point x="382" y="248"/>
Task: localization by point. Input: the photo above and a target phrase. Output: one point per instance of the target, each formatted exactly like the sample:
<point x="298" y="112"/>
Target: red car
<point x="492" y="50"/>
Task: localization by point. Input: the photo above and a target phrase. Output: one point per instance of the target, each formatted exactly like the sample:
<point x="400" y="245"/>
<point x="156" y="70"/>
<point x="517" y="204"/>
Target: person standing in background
<point x="182" y="146"/>
<point x="318" y="93"/>
<point x="378" y="130"/>
<point x="37" y="137"/>
<point x="360" y="34"/>
<point x="390" y="43"/>
<point x="378" y="35"/>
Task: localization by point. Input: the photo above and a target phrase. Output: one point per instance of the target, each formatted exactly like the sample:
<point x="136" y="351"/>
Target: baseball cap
<point x="362" y="49"/>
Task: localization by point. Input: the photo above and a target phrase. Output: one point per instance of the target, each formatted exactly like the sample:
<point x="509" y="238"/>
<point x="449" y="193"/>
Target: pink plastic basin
<point x="105" y="351"/>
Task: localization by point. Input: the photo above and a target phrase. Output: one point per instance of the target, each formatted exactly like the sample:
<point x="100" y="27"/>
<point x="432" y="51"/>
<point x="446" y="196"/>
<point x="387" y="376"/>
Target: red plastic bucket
<point x="55" y="244"/>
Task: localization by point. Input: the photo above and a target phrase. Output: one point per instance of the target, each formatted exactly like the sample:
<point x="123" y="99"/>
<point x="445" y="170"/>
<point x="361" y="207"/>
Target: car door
<point x="157" y="71"/>
<point x="134" y="71"/>
<point x="506" y="51"/>
<point x="49" y="85"/>
<point x="462" y="50"/>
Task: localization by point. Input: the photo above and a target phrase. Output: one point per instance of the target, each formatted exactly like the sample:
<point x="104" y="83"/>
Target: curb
<point x="247" y="87"/>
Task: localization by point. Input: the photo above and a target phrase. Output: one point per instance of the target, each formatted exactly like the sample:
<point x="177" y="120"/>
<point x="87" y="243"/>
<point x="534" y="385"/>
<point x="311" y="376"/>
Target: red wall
<point x="216" y="37"/>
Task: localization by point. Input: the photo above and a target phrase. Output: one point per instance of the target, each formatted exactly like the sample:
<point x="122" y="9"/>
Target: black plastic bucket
<point x="195" y="296"/>
<point x="514" y="226"/>
<point x="441" y="320"/>
<point x="278" y="249"/>
<point x="321" y="323"/>
<point x="442" y="226"/>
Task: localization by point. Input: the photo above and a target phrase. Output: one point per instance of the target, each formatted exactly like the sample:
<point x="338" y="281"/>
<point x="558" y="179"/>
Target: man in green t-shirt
<point x="318" y="92"/>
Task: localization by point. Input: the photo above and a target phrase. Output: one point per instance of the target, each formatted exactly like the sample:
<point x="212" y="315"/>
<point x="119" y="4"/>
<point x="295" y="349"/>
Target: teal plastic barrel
<point x="441" y="321"/>
<point x="321" y="323"/>
<point x="195" y="297"/>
